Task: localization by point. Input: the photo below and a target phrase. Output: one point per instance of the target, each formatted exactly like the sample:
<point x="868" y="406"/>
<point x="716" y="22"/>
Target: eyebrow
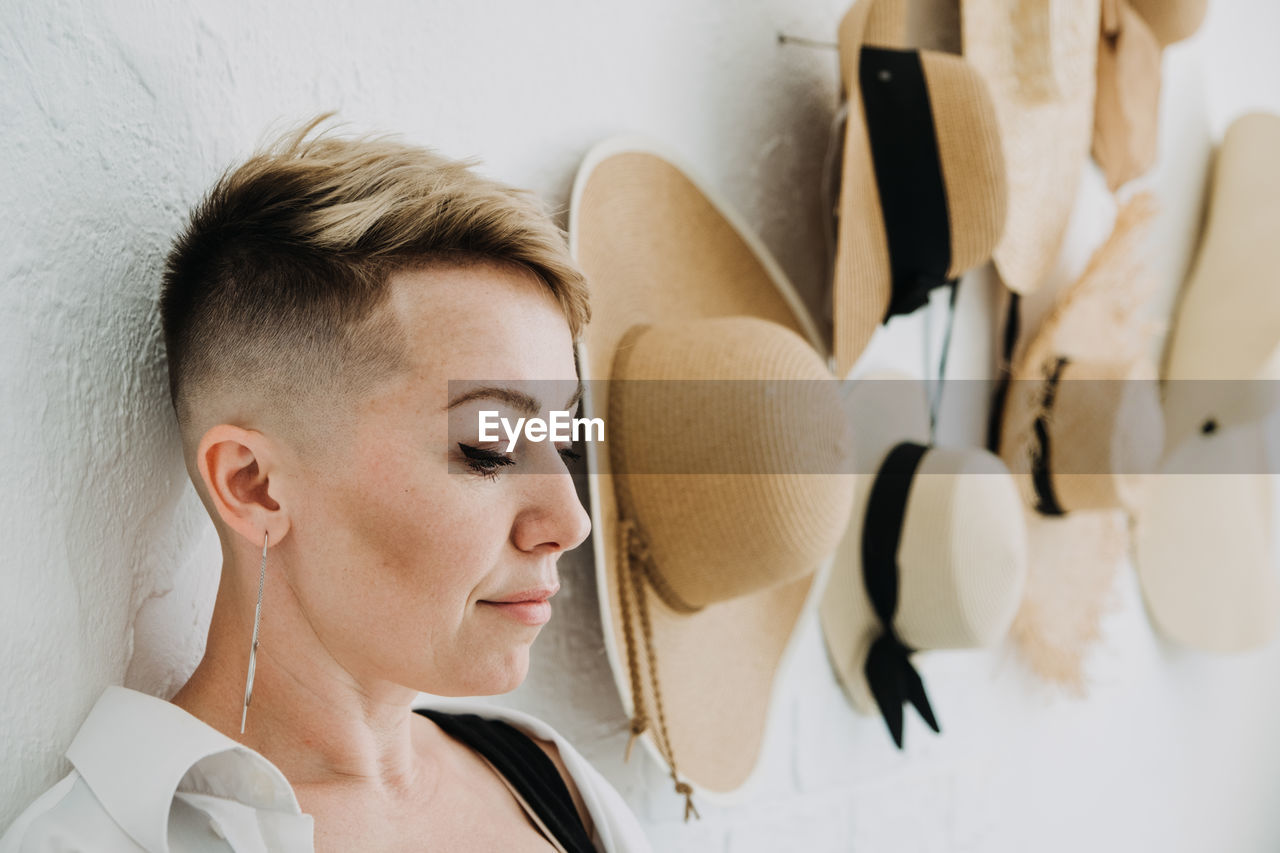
<point x="518" y="400"/>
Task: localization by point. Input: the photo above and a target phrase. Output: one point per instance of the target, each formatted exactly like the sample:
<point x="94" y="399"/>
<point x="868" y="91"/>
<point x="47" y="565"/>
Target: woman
<point x="336" y="315"/>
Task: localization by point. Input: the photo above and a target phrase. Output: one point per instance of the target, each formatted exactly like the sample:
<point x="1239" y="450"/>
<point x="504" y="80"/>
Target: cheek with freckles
<point x="434" y="541"/>
<point x="403" y="550"/>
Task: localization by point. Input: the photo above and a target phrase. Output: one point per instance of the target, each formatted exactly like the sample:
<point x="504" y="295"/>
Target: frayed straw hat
<point x="1082" y="428"/>
<point x="1038" y="58"/>
<point x="922" y="176"/>
<point x="934" y="556"/>
<point x="1083" y="424"/>
<point x="1205" y="551"/>
<point x="702" y="570"/>
<point x="1126" y="115"/>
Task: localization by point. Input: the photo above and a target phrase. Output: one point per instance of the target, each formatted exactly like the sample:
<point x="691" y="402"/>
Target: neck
<point x="315" y="719"/>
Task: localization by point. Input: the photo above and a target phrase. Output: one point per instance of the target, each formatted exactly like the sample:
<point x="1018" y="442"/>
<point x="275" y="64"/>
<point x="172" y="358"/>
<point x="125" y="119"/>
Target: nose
<point x="552" y="519"/>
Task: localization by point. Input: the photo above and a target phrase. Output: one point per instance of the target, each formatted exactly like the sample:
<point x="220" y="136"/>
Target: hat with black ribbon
<point x="934" y="556"/>
<point x="919" y="195"/>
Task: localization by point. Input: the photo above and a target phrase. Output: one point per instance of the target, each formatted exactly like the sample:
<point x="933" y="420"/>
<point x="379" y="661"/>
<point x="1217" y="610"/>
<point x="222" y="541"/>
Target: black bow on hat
<point x="893" y="680"/>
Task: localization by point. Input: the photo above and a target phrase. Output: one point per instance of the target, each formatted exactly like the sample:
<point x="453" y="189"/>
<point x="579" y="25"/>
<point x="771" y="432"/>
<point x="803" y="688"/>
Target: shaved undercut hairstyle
<point x="274" y="286"/>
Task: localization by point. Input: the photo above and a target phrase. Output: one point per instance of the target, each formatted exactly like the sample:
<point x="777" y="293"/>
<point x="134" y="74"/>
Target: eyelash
<point x="489" y="463"/>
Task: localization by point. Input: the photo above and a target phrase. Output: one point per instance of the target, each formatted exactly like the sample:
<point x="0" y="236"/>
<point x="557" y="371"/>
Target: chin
<point x="509" y="671"/>
<point x="501" y="672"/>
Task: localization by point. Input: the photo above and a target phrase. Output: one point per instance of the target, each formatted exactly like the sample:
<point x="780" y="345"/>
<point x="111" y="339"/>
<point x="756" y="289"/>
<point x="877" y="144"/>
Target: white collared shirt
<point x="149" y="776"/>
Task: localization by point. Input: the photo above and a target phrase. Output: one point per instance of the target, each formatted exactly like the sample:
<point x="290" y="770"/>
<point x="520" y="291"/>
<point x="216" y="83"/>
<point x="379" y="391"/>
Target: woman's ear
<point x="236" y="465"/>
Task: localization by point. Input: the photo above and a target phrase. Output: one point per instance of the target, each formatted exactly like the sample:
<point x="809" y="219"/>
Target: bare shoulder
<point x="553" y="752"/>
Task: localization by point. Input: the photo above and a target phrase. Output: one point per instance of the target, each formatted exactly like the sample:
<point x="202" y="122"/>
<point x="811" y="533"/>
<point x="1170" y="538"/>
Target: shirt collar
<point x="134" y="750"/>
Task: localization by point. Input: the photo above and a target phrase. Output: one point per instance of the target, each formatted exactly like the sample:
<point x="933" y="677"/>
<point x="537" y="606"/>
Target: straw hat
<point x="1127" y="113"/>
<point x="1228" y="316"/>
<point x="922" y="177"/>
<point x="1038" y="58"/>
<point x="1081" y="428"/>
<point x="706" y="540"/>
<point x="1204" y="551"/>
<point x="947" y="526"/>
<point x="1082" y="425"/>
<point x="1171" y="20"/>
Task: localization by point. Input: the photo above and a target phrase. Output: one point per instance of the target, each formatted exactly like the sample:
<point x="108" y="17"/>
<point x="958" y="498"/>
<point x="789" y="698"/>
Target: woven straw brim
<point x="973" y="174"/>
<point x="656" y="247"/>
<point x="1044" y="96"/>
<point x="1203" y="544"/>
<point x="962" y="557"/>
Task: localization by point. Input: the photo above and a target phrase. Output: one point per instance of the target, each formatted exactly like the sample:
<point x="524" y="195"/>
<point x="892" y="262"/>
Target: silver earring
<point x="253" y="649"/>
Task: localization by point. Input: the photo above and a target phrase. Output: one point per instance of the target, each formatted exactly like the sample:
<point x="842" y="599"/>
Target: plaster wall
<point x="118" y="115"/>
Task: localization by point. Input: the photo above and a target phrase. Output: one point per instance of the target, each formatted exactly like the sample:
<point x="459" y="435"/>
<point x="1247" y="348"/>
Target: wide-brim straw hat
<point x="1084" y="446"/>
<point x="1205" y="553"/>
<point x="923" y="123"/>
<point x="721" y="564"/>
<point x="1038" y="58"/>
<point x="961" y="555"/>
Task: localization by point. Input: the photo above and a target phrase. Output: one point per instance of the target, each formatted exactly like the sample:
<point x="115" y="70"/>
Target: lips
<point x="541" y="593"/>
<point x="529" y="607"/>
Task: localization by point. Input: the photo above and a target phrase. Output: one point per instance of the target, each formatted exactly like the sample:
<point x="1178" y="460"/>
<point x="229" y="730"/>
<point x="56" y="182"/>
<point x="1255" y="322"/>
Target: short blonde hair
<point x="284" y="262"/>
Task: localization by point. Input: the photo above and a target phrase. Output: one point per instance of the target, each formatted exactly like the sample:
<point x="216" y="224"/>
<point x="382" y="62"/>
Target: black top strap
<point x="530" y="771"/>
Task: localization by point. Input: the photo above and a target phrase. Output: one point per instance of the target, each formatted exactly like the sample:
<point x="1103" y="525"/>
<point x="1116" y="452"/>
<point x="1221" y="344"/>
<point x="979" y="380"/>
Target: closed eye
<point x="486" y="463"/>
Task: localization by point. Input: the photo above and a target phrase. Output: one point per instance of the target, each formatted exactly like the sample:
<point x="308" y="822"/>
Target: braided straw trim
<point x="632" y="545"/>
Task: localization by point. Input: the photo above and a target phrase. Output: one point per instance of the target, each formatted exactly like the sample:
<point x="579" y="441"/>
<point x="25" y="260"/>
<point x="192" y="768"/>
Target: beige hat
<point x="1205" y="554"/>
<point x="1081" y="428"/>
<point x="1083" y="424"/>
<point x="1126" y="114"/>
<point x="922" y="177"/>
<point x="937" y="533"/>
<point x="1038" y="58"/>
<point x="1171" y="20"/>
<point x="702" y="570"/>
<point x="1204" y="546"/>
<point x="1126" y="117"/>
<point x="1228" y="316"/>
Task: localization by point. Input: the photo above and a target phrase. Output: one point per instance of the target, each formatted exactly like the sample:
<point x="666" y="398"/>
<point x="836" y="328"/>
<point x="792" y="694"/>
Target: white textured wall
<point x="115" y="119"/>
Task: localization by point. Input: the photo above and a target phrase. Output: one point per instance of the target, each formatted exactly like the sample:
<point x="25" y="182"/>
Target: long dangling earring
<point x="253" y="649"/>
